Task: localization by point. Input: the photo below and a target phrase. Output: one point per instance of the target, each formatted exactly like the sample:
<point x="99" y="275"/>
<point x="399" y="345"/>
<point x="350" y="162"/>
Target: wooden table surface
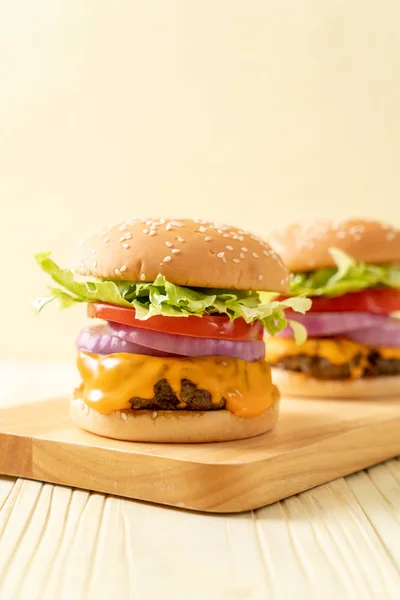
<point x="339" y="541"/>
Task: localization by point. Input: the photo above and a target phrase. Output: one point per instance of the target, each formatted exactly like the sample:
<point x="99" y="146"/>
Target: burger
<point x="351" y="271"/>
<point x="176" y="353"/>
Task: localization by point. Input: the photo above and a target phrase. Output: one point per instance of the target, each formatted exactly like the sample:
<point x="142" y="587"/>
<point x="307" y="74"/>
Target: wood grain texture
<point x="57" y="544"/>
<point x="315" y="442"/>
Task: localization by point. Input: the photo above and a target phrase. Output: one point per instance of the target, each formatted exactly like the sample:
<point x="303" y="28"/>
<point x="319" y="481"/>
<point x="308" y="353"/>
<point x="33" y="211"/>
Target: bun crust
<point x="306" y="247"/>
<point x="194" y="253"/>
<point x="298" y="384"/>
<point x="172" y="426"/>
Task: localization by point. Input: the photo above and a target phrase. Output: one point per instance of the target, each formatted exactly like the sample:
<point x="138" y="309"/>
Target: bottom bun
<point x="291" y="383"/>
<point x="172" y="426"/>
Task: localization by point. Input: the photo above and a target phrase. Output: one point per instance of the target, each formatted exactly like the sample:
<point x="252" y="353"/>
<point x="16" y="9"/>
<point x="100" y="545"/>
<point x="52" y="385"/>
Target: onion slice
<point x="385" y="334"/>
<point x="331" y="324"/>
<point x="96" y="341"/>
<point x="103" y="339"/>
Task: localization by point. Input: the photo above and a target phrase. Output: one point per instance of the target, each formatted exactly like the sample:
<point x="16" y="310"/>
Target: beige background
<point x="250" y="112"/>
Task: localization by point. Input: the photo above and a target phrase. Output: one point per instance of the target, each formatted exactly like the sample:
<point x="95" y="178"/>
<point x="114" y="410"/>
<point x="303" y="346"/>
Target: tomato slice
<point x="204" y="327"/>
<point x="374" y="300"/>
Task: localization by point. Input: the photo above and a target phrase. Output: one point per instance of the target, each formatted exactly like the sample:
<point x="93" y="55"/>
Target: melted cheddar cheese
<point x="389" y="353"/>
<point x="110" y="381"/>
<point x="338" y="351"/>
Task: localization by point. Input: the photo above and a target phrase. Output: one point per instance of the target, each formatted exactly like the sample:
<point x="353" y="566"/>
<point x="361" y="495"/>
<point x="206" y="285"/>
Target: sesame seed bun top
<point x="305" y="247"/>
<point x="194" y="253"/>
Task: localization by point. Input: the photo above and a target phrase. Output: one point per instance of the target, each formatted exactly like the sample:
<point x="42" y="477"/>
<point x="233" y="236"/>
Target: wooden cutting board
<point x="316" y="441"/>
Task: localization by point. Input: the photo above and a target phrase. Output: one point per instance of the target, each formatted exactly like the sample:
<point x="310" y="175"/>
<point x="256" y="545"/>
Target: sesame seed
<point x="124" y="416"/>
<point x="123" y="268"/>
<point x="126" y="236"/>
<point x="181" y="240"/>
<point x="95" y="263"/>
<point x="236" y="260"/>
<point x="241" y="255"/>
<point x="145" y="230"/>
<point x="168" y="227"/>
<point x="390" y="236"/>
<point x="255" y="254"/>
<point x="235" y="237"/>
<point x="223" y="259"/>
<point x="208" y="238"/>
<point x="175" y="250"/>
<point x="94" y="251"/>
<point x="122" y="227"/>
<point x="283" y="281"/>
<point x="241" y="238"/>
<point x="169" y="244"/>
<point x="260" y="278"/>
<point x="117" y="271"/>
<point x="226" y="235"/>
<point x="106" y="240"/>
<point x="220" y="231"/>
<point x="152" y="232"/>
<point x="221" y="254"/>
<point x="142" y="277"/>
<point x="167" y="259"/>
<point x="244" y="250"/>
<point x="126" y="245"/>
<point x="266" y="253"/>
<point x="154" y="415"/>
<point x="202" y="229"/>
<point x="229" y="248"/>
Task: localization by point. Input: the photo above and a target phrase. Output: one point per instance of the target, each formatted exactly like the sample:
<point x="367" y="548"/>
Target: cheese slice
<point x="389" y="353"/>
<point x="110" y="381"/>
<point x="338" y="351"/>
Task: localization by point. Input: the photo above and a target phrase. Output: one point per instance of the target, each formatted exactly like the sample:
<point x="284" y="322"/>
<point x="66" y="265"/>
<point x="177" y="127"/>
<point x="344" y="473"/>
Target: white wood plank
<point x="323" y="539"/>
<point x="59" y="544"/>
<point x="6" y="486"/>
<point x="378" y="493"/>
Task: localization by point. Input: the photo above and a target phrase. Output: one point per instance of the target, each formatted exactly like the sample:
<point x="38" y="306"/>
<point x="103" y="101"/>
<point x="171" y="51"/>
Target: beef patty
<point x="322" y="368"/>
<point x="382" y="366"/>
<point x="165" y="398"/>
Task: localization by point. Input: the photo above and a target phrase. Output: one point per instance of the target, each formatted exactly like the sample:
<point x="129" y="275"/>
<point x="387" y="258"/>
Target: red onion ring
<point x="385" y="334"/>
<point x="331" y="324"/>
<point x="188" y="346"/>
<point x="113" y="337"/>
<point x="96" y="341"/>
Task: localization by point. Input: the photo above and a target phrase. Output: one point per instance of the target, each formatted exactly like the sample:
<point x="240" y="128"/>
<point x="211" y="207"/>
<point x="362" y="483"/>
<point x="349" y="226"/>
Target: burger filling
<point x="189" y="397"/>
<point x="330" y="359"/>
<point x="130" y="381"/>
<point x="163" y="346"/>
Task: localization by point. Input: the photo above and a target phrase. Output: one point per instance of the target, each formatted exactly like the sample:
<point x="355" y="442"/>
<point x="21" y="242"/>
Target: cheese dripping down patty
<point x="109" y="382"/>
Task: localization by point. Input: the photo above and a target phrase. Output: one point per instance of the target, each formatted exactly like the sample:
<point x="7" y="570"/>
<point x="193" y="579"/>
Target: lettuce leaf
<point x="348" y="276"/>
<point x="165" y="298"/>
